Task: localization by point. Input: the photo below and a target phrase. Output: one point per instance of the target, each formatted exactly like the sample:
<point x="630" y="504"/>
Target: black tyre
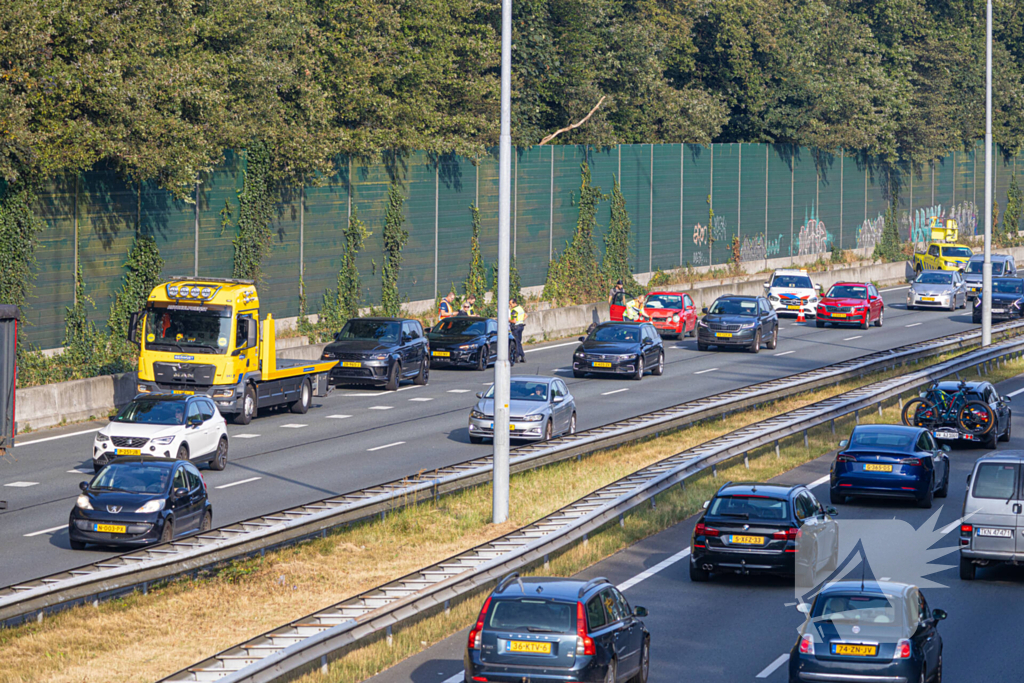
<point x="819" y="323"/>
<point x="697" y="574"/>
<point x="301" y="405"/>
<point x="76" y="545"/>
<point x="481" y="359"/>
<point x="394" y="378"/>
<point x="639" y="374"/>
<point x="207" y="522"/>
<point x="248" y="406"/>
<point x="182" y="452"/>
<point x="1009" y="423"/>
<point x="220" y="458"/>
<point x="577" y="374"/>
<point x="167" y="533"/>
<point x="645" y="665"/>
<point x="990" y="441"/>
<point x="659" y="369"/>
<point x="864" y="323"/>
<point x="920" y="412"/>
<point x="774" y="343"/>
<point x="702" y="347"/>
<point x="878" y="323"/>
<point x="968" y="570"/>
<point x="835" y="498"/>
<point x="926" y="502"/>
<point x="423" y="376"/>
<point x="756" y="346"/>
<point x="944" y="489"/>
<point x="977" y="417"/>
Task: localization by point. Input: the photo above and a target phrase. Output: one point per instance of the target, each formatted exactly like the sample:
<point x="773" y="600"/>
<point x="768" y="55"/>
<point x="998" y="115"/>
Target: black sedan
<point x="620" y="348"/>
<point x="139" y="501"/>
<point x="873" y="631"/>
<point x="743" y="321"/>
<point x="1007" y="299"/>
<point x="379" y="351"/>
<point x="466" y="341"/>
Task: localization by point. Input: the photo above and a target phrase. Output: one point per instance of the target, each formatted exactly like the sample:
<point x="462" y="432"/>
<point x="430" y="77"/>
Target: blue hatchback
<point x="551" y="629"/>
<point x="890" y="461"/>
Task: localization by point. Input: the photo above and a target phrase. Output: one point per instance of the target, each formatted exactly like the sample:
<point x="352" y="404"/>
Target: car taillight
<point x="790" y="534"/>
<point x="902" y="649"/>
<point x="584" y="643"/>
<point x="702" y="530"/>
<point x="967" y="529"/>
<point x="913" y="462"/>
<point x="845" y="457"/>
<point x="474" y="633"/>
<point x="806" y="644"/>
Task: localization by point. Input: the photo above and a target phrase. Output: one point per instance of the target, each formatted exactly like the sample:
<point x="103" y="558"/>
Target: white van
<point x="992" y="530"/>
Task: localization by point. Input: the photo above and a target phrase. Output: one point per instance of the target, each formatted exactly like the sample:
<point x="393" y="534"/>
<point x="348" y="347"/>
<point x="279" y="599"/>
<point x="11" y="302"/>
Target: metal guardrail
<point x="309" y="642"/>
<point x="137" y="569"/>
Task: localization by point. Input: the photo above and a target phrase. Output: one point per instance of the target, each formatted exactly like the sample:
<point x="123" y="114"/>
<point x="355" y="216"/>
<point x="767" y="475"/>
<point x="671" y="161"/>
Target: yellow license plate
<point x="747" y="540"/>
<point x="525" y="646"/>
<point x="855" y="650"/>
<point x="598" y="364"/>
<point x="838" y="315"/>
<point x="441" y="354"/>
<point x="351" y="364"/>
<point x="183" y="391"/>
<point x="927" y="298"/>
<point x="877" y="468"/>
<point x="111" y="528"/>
<point x="128" y="451"/>
<point x="793" y="308"/>
<point x="723" y="334"/>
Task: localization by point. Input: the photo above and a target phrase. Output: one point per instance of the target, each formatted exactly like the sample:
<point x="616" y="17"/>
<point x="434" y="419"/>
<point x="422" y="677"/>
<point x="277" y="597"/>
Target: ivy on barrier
<point x="255" y="212"/>
<point x="617" y="244"/>
<point x="575" y="276"/>
<point x="395" y="237"/>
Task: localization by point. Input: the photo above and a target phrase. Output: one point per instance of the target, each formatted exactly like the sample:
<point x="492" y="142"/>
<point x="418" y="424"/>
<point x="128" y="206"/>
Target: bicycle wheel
<point x="977" y="417"/>
<point x="920" y="412"/>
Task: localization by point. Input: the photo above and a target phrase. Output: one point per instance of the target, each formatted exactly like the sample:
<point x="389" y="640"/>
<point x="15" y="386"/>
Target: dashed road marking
<point x="46" y="531"/>
<point x="53" y="438"/>
<point x="387" y="445"/>
<point x="338" y="417"/>
<point x="913" y="324"/>
<point x="22" y="484"/>
<point x="458" y="391"/>
<point x="773" y="667"/>
<point x="364" y="393"/>
<point x="421" y="398"/>
<point x="609" y="393"/>
<point x="1014" y="393"/>
<point x="293" y="425"/>
<point x="80" y="472"/>
<point x="380" y="407"/>
<point x="785" y="353"/>
<point x="553" y="346"/>
<point x="244" y="436"/>
<point x="411" y="386"/>
<point x="855" y="337"/>
<point x="701" y="372"/>
<point x="648" y="573"/>
<point x="236" y="483"/>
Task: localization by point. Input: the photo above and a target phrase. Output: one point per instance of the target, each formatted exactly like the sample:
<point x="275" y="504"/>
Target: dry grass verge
<point x="145" y="637"/>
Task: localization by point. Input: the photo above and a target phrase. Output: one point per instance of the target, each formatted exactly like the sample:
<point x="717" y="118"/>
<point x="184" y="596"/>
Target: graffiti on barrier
<point x="716" y="231"/>
<point x="755" y="248"/>
<point x="700" y="235"/>
<point x="870" y="232"/>
<point x="700" y="258"/>
<point x="966" y="216"/>
<point x="718" y="228"/>
<point x="916" y="224"/>
<point x="814" y="238"/>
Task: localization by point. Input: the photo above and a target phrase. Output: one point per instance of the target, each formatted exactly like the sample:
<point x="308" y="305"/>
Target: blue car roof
<point x="553" y="588"/>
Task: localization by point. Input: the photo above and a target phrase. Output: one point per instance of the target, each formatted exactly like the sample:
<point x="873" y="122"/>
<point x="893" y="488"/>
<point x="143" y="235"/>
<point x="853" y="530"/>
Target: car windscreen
<point x="457" y="326"/>
<point x="873" y="439"/>
<point x="664" y="301"/>
<point x="935" y="278"/>
<point x="176" y="327"/>
<point x="847" y="292"/>
<point x="533" y="616"/>
<point x="975" y="267"/>
<point x="857" y="609"/>
<point x="1007" y="287"/>
<point x="615" y="333"/>
<point x="370" y="330"/>
<point x="524" y="390"/>
<point x="995" y="480"/>
<point x="132" y="477"/>
<point x="734" y="307"/>
<point x="750" y="507"/>
<point x="957" y="252"/>
<point x="152" y="412"/>
<point x="792" y="282"/>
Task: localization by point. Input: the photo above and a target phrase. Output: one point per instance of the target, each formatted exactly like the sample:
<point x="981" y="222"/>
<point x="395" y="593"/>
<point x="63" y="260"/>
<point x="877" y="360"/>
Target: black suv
<point x="574" y="630"/>
<point x="754" y="528"/>
<point x="746" y="321"/>
<point x="379" y="351"/>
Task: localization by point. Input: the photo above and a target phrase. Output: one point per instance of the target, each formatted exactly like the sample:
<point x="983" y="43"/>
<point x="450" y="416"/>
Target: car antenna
<point x="862" y="569"/>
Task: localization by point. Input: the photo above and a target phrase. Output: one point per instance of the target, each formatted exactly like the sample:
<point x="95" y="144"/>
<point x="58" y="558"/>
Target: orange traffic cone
<point x="800" y="317"/>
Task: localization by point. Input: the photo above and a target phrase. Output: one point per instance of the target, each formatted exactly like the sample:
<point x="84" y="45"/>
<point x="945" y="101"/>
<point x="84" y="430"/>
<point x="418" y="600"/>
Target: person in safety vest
<point x="467" y="306"/>
<point x="634" y="309"/>
<point x="517" y="321"/>
<point x="446" y="308"/>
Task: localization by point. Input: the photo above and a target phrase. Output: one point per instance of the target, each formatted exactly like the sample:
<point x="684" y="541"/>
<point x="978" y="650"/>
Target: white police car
<point x="791" y="291"/>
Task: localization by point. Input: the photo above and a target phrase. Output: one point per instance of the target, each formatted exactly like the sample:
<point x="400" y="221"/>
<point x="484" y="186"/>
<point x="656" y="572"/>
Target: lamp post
<point x="986" y="269"/>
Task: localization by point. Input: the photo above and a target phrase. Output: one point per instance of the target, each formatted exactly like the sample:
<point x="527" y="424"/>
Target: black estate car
<point x="140" y="501"/>
<point x="753" y="528"/>
<point x="466" y="341"/>
<point x="571" y="630"/>
<point x="1007" y="299"/>
<point x="745" y="321"/>
<point x="379" y="351"/>
<point x="620" y="348"/>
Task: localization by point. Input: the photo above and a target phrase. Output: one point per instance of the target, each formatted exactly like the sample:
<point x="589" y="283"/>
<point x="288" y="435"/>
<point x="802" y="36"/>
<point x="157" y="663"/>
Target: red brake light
<point x="474" y="633"/>
<point x="913" y="462"/>
<point x="480" y="678"/>
<point x="966" y="529"/>
<point x="902" y="649"/>
<point x="806" y="644"/>
<point x="584" y="643"/>
<point x="845" y="457"/>
<point x="702" y="530"/>
<point x="790" y="534"/>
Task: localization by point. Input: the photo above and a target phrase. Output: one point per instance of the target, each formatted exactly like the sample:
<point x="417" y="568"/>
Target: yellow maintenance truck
<point x="204" y="336"/>
<point x="942" y="252"/>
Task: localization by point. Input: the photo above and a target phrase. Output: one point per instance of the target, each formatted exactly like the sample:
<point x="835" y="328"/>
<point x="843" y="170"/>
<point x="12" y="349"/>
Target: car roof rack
<point x="597" y="581"/>
<point x="506" y="580"/>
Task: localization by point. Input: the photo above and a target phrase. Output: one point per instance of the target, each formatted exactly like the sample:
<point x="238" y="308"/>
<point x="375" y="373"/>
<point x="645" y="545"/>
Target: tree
<point x="575" y="276"/>
<point x="144" y="268"/>
<point x="476" y="282"/>
<point x="617" y="244"/>
<point x="395" y="237"/>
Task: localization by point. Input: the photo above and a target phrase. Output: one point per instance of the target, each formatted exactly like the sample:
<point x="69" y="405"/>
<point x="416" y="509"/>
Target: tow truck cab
<point x="204" y="336"/>
<point x="943" y="252"/>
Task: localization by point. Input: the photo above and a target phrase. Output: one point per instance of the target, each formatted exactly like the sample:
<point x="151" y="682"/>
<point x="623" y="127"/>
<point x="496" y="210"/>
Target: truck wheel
<point x="220" y="458"/>
<point x="248" y="406"/>
<point x="305" y="396"/>
<point x="423" y="377"/>
<point x="394" y="377"/>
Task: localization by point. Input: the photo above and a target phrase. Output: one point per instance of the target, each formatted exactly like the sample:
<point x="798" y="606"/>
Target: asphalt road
<point x="355" y="438"/>
<point x="742" y="628"/>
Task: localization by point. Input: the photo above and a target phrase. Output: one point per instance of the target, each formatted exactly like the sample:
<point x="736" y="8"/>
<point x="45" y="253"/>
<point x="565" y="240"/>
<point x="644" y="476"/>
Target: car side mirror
<point x="939" y="614"/>
<point x="558" y="399"/>
<point x="706" y="503"/>
<point x="479" y="394"/>
<point x="1007" y="399"/>
<point x="704" y="310"/>
<point x="767" y="285"/>
<point x="639" y="611"/>
<point x="804" y="608"/>
<point x="645" y="342"/>
<point x="83" y="485"/>
<point x="195" y="420"/>
<point x="406" y="338"/>
<point x="968" y="480"/>
<point x="178" y="493"/>
<point x="583" y="339"/>
<point x="844" y="443"/>
<point x="831" y="511"/>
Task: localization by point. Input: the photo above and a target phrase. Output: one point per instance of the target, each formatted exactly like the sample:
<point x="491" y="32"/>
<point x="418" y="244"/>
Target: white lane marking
<point x="953" y="525"/>
<point x="818" y="482"/>
<point x="1014" y="393"/>
<point x="896" y="289"/>
<point x="341" y="417"/>
<point x="380" y="407"/>
<point x="553" y="346"/>
<point x="785" y="353"/>
<point x="293" y="425"/>
<point x="22" y="484"/>
<point x="244" y="436"/>
<point x="365" y="393"/>
<point x="80" y="472"/>
<point x="885" y="578"/>
<point x="852" y="338"/>
<point x="771" y="668"/>
<point x="458" y="391"/>
<point x="388" y="445"/>
<point x="913" y="325"/>
<point x="648" y="573"/>
<point x="457" y="678"/>
<point x="411" y="386"/>
<point x="53" y="438"/>
<point x="701" y="372"/>
<point x="617" y="391"/>
<point x="421" y="398"/>
<point x="236" y="483"/>
<point x="46" y="531"/>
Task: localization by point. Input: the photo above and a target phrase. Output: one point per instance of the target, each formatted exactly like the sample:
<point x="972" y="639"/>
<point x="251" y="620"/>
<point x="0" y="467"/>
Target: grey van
<point x="992" y="530"/>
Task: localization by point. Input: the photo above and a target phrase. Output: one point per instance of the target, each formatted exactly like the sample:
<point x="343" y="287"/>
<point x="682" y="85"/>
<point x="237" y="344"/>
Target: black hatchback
<point x="139" y="501"/>
<point x="616" y="348"/>
<point x="572" y="630"/>
<point x="379" y="351"/>
<point x="466" y="341"/>
<point x="738" y="321"/>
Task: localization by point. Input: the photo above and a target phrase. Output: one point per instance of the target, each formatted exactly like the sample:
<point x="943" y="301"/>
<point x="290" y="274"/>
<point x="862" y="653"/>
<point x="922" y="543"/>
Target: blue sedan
<point x="890" y="461"/>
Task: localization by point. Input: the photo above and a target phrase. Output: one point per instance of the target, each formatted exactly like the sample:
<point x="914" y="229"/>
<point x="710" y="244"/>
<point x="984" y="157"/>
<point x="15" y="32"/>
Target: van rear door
<point x="993" y="508"/>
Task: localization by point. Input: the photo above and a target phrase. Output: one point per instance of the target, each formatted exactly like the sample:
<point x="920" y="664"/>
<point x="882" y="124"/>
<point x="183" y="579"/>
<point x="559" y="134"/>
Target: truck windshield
<point x="176" y="327"/>
<point x="957" y="252"/>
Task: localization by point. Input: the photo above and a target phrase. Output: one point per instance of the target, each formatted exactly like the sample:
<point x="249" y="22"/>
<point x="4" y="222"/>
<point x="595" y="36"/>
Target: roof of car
<point x="1015" y="278"/>
<point x="850" y="284"/>
<point x="384" y="319"/>
<point x="953" y="386"/>
<point x="532" y="378"/>
<point x="164" y="397"/>
<point x="665" y="292"/>
<point x="551" y="587"/>
<point x="145" y="460"/>
<point x="790" y="271"/>
<point x="994" y="257"/>
<point x="869" y="586"/>
<point x="755" y="488"/>
<point x="1002" y="456"/>
<point x="937" y="270"/>
<point x="889" y="429"/>
<point x="622" y="323"/>
<point x="738" y="297"/>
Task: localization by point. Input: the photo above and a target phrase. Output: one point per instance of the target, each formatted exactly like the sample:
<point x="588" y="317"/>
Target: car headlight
<point x="468" y="347"/>
<point x="162" y="441"/>
<point x="702" y="323"/>
<point x="624" y="357"/>
<point x="813" y="300"/>
<point x="102" y="438"/>
<point x="952" y="264"/>
<point x="142" y="389"/>
<point x="536" y="417"/>
<point x="327" y="356"/>
<point x="675" y="318"/>
<point x="83" y="502"/>
<point x="748" y="326"/>
<point x="477" y="415"/>
<point x="947" y="292"/>
<point x="224" y="393"/>
<point x="379" y="356"/>
<point x="772" y="297"/>
<point x="152" y="506"/>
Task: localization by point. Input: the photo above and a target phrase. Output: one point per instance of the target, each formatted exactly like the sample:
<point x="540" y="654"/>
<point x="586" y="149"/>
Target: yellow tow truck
<point x="204" y="336"/>
<point x="943" y="252"/>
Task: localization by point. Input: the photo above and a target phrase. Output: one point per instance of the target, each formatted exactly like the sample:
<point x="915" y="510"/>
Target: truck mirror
<point x="250" y="333"/>
<point x="133" y="328"/>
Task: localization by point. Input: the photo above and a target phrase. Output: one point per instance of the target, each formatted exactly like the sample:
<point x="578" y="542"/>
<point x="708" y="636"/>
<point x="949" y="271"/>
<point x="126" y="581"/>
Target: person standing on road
<point x="517" y="321"/>
<point x="446" y="308"/>
<point x="616" y="296"/>
<point x="634" y="309"/>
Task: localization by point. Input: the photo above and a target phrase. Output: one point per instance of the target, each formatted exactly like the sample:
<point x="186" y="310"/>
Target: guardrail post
<point x="714" y="471"/>
<point x="856" y="415"/>
<point x="746" y="460"/>
<point x="832" y="422"/>
<point x="622" y="520"/>
<point x="978" y="368"/>
<point x="447" y="606"/>
<point x="901" y="403"/>
<point x="586" y="540"/>
<point x="547" y="562"/>
<point x="654" y="503"/>
<point x="879" y="409"/>
<point x="777" y="454"/>
<point x="390" y="638"/>
<point x="806" y="444"/>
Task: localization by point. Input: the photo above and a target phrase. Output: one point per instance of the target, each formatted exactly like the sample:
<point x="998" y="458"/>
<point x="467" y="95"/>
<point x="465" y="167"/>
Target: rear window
<point x="867" y="439"/>
<point x="995" y="480"/>
<point x="750" y="507"/>
<point x="534" y="616"/>
<point x="871" y="609"/>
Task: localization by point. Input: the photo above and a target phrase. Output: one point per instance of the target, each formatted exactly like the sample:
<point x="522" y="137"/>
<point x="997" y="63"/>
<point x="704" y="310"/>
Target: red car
<point x="673" y="313"/>
<point x="851" y="302"/>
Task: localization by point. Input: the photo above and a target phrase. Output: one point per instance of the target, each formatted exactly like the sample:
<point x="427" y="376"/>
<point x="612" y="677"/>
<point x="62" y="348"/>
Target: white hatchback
<point x="165" y="426"/>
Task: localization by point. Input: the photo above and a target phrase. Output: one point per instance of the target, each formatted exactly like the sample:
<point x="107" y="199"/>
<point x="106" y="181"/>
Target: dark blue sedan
<point x="890" y="461"/>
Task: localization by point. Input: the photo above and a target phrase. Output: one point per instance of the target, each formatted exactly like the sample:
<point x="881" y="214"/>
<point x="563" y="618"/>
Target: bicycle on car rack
<point x="939" y="408"/>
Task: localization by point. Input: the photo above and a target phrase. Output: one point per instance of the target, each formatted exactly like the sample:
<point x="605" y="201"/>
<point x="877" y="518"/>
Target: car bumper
<point x="519" y="429"/>
<point x="375" y="373"/>
<point x="784" y="308"/>
<point x="455" y="358"/>
<point x="141" y="529"/>
<point x="998" y="314"/>
<point x="840" y="318"/>
<point x="925" y="300"/>
<point x="740" y="338"/>
<point x="613" y="367"/>
<point x="944" y="434"/>
<point x="666" y="326"/>
<point x="893" y="486"/>
<point x="583" y="669"/>
<point x="991" y="556"/>
<point x="973" y="292"/>
<point x="809" y="668"/>
<point x="748" y="562"/>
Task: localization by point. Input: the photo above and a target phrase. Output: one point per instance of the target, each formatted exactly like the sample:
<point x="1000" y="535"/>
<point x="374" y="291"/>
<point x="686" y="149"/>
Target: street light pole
<point x="986" y="269"/>
<point x="501" y="366"/>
